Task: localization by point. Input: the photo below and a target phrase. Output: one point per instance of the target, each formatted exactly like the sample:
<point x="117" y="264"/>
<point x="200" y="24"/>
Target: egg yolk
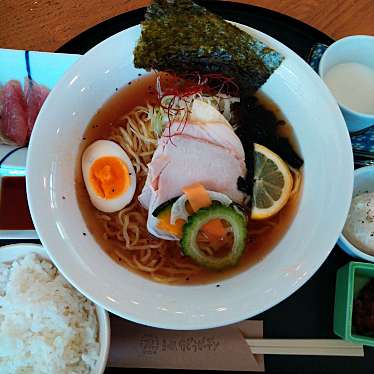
<point x="109" y="177"/>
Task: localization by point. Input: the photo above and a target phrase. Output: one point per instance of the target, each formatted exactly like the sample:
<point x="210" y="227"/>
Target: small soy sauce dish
<point x="15" y="218"/>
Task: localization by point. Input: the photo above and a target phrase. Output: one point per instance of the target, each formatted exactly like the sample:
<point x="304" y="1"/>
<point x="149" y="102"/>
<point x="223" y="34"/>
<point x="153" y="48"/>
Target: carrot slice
<point x="197" y="196"/>
<point x="214" y="229"/>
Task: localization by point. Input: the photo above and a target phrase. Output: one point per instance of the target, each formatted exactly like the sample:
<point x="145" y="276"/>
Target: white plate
<point x="325" y="146"/>
<point x="46" y="68"/>
<point x="9" y="253"/>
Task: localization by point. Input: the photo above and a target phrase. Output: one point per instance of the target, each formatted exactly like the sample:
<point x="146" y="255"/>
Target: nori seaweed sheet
<point x="260" y="125"/>
<point x="181" y="36"/>
<point x="256" y="124"/>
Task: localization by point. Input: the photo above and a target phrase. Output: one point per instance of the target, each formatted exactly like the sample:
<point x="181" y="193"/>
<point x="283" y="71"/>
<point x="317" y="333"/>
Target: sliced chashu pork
<point x="207" y="123"/>
<point x="189" y="160"/>
<point x="206" y="152"/>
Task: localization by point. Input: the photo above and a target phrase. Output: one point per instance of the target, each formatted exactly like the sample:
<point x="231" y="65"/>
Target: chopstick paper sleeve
<point x="137" y="346"/>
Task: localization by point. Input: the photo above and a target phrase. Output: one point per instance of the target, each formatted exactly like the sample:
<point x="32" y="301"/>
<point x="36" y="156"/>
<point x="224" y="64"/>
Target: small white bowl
<point x="363" y="181"/>
<point x="12" y="252"/>
<point x="359" y="49"/>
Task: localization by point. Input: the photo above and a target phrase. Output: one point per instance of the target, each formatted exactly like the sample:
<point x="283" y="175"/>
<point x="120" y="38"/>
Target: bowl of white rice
<point x="47" y="326"/>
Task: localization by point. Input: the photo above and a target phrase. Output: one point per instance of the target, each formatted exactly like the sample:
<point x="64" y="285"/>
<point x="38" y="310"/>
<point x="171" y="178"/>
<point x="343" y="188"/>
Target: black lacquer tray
<point x="308" y="313"/>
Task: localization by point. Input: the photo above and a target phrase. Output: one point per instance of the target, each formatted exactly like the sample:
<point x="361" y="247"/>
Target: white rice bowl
<point x="46" y="326"/>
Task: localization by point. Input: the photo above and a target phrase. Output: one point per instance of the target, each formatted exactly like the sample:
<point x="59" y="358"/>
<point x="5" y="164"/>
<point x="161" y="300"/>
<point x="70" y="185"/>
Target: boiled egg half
<point x="108" y="175"/>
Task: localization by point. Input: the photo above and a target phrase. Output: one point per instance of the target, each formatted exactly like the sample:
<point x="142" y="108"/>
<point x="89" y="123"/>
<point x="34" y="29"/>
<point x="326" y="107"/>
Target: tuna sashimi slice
<point x="35" y="96"/>
<point x="13" y="114"/>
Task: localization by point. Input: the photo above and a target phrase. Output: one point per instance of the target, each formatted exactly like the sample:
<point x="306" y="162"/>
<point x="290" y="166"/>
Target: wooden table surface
<point x="47" y="24"/>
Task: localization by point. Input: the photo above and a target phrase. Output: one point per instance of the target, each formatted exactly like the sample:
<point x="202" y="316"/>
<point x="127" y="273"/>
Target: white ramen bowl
<point x="325" y="146"/>
<point x="10" y="253"/>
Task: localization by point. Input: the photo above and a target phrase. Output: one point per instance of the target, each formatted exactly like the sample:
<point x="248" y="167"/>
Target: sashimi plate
<point x="45" y="68"/>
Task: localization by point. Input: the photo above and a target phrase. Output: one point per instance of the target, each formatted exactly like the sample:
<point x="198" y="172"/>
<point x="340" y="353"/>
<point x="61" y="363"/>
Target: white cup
<point x="358" y="49"/>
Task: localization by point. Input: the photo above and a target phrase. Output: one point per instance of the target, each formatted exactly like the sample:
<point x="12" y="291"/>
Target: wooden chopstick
<point x="353" y="352"/>
<point x="323" y="343"/>
<point x="320" y="347"/>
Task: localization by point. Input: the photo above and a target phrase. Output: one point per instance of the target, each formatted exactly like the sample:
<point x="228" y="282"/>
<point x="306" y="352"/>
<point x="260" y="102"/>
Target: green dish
<point x="350" y="279"/>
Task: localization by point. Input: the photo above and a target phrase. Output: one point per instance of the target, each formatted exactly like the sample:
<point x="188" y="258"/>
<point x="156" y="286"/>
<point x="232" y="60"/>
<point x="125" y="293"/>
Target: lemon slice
<point x="272" y="183"/>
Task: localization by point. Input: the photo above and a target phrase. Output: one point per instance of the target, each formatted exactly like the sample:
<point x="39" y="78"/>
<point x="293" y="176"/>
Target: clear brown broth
<point x="139" y="92"/>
